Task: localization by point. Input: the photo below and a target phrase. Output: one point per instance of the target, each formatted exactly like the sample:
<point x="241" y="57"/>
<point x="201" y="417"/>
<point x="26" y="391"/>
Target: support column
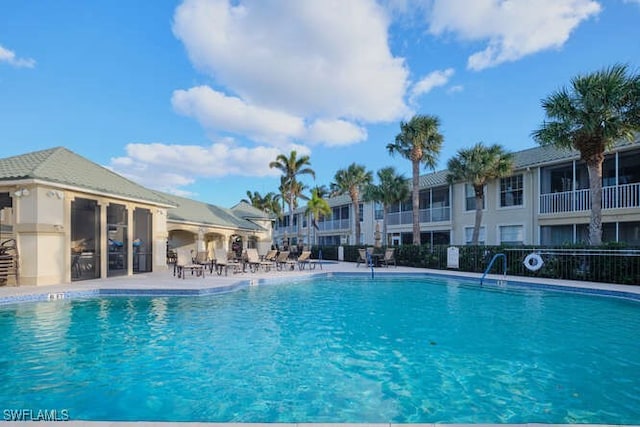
<point x="104" y="244"/>
<point x="129" y="239"/>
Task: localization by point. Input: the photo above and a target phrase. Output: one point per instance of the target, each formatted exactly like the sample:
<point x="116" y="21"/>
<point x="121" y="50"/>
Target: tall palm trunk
<point x="385" y="210"/>
<point x="291" y="215"/>
<point x="415" y="198"/>
<point x="479" y="196"/>
<point x="356" y="210"/>
<point x="594" y="166"/>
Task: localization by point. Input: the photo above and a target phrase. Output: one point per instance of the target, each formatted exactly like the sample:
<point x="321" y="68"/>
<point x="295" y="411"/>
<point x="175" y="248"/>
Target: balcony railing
<point x="426" y="215"/>
<point x="613" y="197"/>
<point x="330" y="225"/>
<point x="337" y="224"/>
<point x="289" y="230"/>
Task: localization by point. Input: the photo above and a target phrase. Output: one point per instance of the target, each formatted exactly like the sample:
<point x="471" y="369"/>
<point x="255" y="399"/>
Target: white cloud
<point x="513" y="28"/>
<point x="430" y="81"/>
<point x="335" y="132"/>
<point x="214" y="110"/>
<point x="9" y="57"/>
<point x="318" y="58"/>
<point x="168" y="167"/>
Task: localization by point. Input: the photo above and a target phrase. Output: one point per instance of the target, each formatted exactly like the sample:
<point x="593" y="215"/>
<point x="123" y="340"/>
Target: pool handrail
<point x="496" y="256"/>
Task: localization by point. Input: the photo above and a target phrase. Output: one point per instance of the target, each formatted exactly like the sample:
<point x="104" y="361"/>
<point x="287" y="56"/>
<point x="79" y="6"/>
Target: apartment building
<point x="546" y="201"/>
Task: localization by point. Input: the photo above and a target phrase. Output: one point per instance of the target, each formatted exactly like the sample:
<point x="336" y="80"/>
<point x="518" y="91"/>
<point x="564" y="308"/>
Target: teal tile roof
<point x="61" y="166"/>
<point x="193" y="211"/>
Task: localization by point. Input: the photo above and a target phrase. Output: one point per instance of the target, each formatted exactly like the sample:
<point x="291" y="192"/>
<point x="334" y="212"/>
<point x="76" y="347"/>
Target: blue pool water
<point x="335" y="350"/>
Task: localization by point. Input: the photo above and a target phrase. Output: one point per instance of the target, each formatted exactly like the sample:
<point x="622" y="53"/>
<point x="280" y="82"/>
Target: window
<point x="468" y="234"/>
<point x="344" y="212"/>
<point x="564" y="234"/>
<point x="471" y="197"/>
<point x="556" y="234"/>
<point x="440" y="204"/>
<point x="329" y="240"/>
<point x="628" y="232"/>
<point x="629" y="169"/>
<point x="142" y="245"/>
<point x="435" y="237"/>
<point x="511" y="191"/>
<point x="117" y="226"/>
<point x="378" y="211"/>
<point x="361" y="211"/>
<point x="406" y="238"/>
<point x="424" y="202"/>
<point x="511" y="234"/>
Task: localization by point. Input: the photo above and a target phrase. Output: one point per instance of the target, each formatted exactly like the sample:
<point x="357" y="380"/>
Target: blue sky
<point x="196" y="97"/>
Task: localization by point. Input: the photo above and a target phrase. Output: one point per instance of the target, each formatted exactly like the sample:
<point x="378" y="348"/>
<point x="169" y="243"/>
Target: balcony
<point x="426" y="215"/>
<point x="613" y="197"/>
<point x="291" y="231"/>
<point x="338" y="224"/>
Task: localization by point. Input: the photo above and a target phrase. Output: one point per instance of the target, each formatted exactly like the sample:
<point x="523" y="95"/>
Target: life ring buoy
<point x="533" y="262"/>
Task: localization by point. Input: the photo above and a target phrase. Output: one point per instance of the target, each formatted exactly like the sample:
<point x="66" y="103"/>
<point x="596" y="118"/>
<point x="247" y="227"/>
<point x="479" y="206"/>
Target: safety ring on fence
<point x="533" y="262"/>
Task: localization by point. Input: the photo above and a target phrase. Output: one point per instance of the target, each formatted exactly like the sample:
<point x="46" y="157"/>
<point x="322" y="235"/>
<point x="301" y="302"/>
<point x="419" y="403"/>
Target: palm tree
<point x="351" y="181"/>
<point x="477" y="166"/>
<point x="596" y="111"/>
<point x="419" y="141"/>
<point x="291" y="167"/>
<point x="392" y="188"/>
<point x="254" y="199"/>
<point x="322" y="190"/>
<point x="316" y="206"/>
<point x="269" y="203"/>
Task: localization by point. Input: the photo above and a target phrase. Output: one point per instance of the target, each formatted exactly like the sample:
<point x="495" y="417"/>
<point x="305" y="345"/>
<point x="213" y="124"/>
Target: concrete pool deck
<point x="166" y="281"/>
<point x="162" y="282"/>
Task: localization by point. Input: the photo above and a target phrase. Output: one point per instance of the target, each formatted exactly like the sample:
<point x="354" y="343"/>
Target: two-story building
<point x="545" y="201"/>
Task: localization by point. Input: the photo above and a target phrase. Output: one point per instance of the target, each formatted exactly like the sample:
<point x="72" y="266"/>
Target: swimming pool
<point x="341" y="349"/>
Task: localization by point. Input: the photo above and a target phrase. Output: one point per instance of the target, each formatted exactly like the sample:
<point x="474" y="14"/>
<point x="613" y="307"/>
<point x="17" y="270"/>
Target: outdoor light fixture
<point x="21" y="192"/>
<point x="55" y="193"/>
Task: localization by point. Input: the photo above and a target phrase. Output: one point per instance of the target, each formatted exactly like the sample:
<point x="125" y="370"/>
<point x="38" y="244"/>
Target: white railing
<point x="337" y="224"/>
<point x="613" y="197"/>
<point x="289" y="230"/>
<point x="426" y="215"/>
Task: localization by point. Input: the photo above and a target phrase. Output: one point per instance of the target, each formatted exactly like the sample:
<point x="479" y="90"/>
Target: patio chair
<point x="282" y="260"/>
<point x="389" y="257"/>
<point x="271" y="255"/>
<point x="184" y="263"/>
<point x="362" y="257"/>
<point x="202" y="258"/>
<point x="222" y="262"/>
<point x="253" y="259"/>
<point x="303" y="259"/>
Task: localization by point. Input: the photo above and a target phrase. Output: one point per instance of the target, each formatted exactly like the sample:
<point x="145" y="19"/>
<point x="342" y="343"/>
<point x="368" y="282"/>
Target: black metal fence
<point x="604" y="264"/>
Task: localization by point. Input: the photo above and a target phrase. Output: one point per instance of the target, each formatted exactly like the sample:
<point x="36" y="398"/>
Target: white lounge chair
<point x="184" y="263"/>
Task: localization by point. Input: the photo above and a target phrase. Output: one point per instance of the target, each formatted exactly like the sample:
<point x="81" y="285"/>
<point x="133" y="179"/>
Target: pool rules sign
<point x="453" y="257"/>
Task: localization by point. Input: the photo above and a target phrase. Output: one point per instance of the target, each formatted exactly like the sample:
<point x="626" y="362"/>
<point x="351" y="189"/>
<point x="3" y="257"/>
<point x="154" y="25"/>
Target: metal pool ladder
<point x="495" y="257"/>
<point x="370" y="263"/>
